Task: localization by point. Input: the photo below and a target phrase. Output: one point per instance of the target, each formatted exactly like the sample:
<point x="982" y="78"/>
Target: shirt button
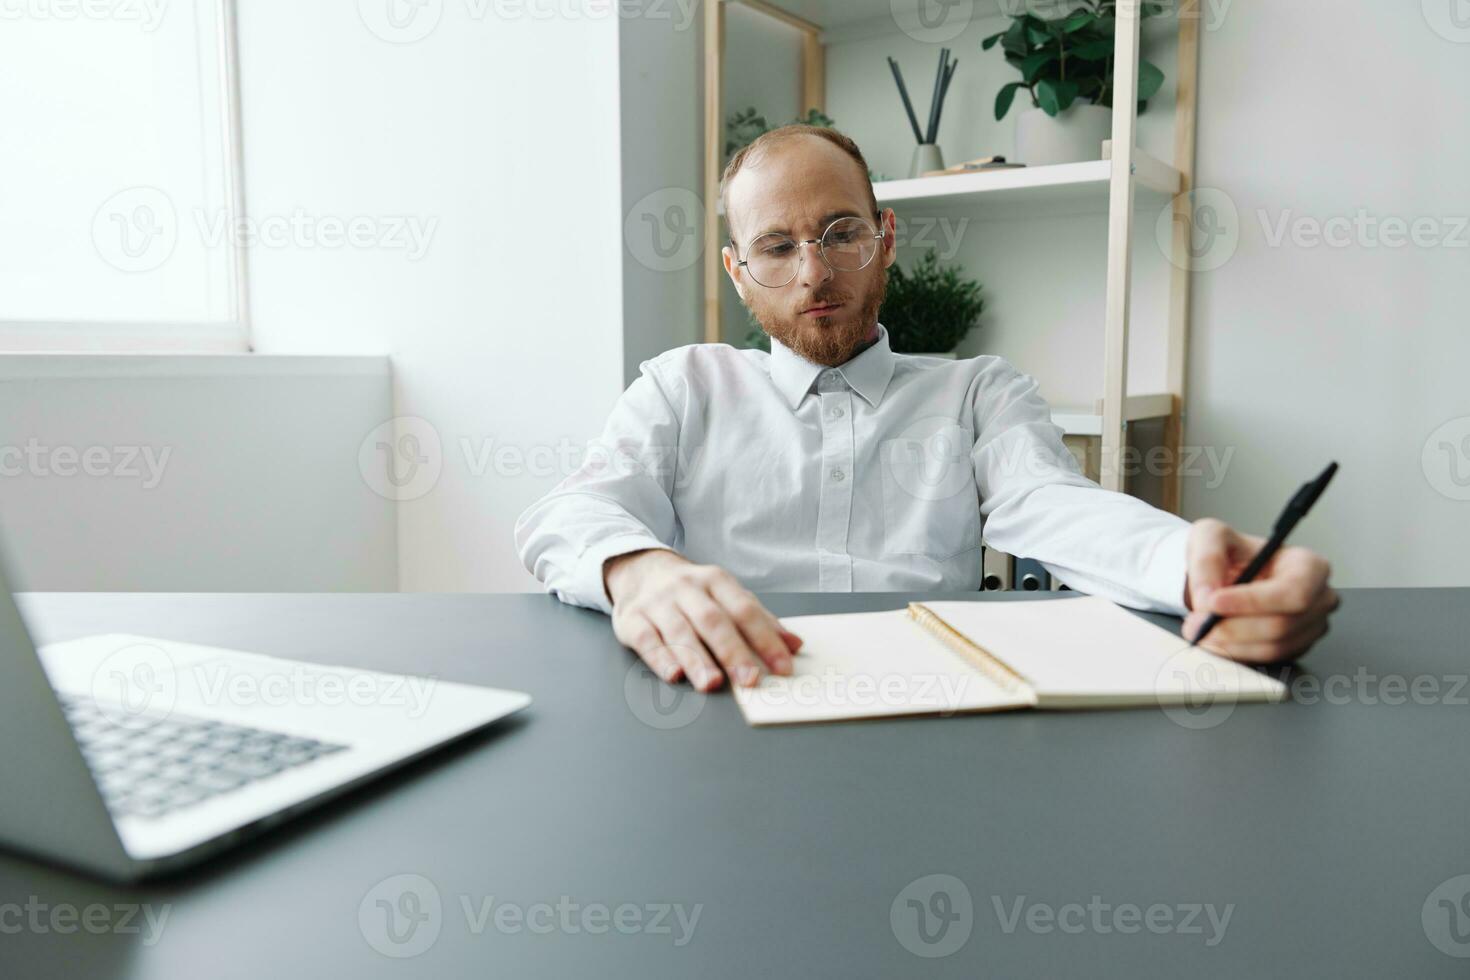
<point x="837" y="413"/>
<point x="838" y="475"/>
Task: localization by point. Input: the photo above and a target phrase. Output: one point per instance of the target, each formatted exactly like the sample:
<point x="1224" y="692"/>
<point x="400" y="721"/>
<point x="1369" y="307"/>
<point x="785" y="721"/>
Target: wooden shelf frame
<point x="1126" y="171"/>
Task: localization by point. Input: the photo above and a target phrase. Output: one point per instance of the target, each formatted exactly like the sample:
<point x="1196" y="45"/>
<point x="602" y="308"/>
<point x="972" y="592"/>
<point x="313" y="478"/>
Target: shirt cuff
<point x="1168" y="572"/>
<point x="589" y="587"/>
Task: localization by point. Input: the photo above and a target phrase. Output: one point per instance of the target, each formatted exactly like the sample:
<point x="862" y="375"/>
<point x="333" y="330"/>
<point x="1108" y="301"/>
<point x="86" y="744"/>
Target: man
<point x="833" y="464"/>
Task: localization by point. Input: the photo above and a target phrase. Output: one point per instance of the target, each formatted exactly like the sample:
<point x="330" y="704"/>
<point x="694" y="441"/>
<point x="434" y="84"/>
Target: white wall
<point x="505" y="331"/>
<point x="177" y="473"/>
<point x="1301" y="354"/>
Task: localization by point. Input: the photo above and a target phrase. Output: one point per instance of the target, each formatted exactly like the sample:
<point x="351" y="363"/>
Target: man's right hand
<point x="688" y="620"/>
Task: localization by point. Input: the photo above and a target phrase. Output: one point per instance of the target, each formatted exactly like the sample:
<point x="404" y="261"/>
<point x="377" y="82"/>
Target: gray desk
<point x="1325" y="826"/>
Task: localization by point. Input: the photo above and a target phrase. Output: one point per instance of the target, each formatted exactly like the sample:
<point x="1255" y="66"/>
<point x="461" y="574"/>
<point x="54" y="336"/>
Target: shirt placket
<point x="834" y="512"/>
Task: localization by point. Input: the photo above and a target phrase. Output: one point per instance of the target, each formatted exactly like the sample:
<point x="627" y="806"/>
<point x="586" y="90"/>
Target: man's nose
<point x="814" y="268"/>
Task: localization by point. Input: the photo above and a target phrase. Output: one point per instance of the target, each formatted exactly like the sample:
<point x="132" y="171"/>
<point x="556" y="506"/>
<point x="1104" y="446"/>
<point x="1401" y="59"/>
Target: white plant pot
<point x="1072" y="137"/>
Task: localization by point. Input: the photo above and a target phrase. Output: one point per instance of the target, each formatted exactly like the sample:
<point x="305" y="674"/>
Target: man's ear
<point x="733" y="270"/>
<point x="889" y="223"/>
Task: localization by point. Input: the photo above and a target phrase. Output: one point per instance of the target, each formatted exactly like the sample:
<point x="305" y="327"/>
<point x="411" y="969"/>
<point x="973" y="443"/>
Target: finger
<point x="681" y="639"/>
<point x="1295" y="579"/>
<point x="793" y="642"/>
<point x="1234" y="630"/>
<point x="1272" y="652"/>
<point x="1215" y="550"/>
<point x="639" y="633"/>
<point x="759" y="627"/>
<point x="720" y="635"/>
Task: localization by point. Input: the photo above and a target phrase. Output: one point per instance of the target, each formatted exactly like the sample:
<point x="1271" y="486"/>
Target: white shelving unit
<point x="1067" y="188"/>
<point x="1116" y="185"/>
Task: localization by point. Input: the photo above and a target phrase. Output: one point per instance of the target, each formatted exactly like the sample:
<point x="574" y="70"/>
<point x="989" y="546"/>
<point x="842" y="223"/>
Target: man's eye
<point x="842" y="238"/>
<point x="775" y="250"/>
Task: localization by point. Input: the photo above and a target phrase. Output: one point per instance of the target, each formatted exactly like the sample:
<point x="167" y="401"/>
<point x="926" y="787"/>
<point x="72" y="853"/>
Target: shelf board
<point x="1080" y="422"/>
<point x="1064" y="188"/>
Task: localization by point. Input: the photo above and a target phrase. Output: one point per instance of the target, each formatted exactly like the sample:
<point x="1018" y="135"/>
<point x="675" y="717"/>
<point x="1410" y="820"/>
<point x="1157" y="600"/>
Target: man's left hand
<point x="1276" y="617"/>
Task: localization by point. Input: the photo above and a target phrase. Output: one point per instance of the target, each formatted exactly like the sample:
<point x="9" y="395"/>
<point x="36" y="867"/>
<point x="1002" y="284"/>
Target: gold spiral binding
<point x="991" y="665"/>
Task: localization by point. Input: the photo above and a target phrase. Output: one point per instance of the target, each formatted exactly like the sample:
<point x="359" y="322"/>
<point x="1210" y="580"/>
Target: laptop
<point x="128" y="756"/>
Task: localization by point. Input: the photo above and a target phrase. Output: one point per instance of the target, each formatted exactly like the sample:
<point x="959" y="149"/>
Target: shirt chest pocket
<point x="931" y="506"/>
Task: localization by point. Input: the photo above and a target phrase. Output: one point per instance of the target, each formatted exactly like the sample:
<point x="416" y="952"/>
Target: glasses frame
<point x="821" y="250"/>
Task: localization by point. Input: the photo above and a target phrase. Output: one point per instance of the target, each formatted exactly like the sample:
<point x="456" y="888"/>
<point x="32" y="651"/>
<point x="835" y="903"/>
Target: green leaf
<point x="1005" y="97"/>
<point x="1150" y="80"/>
<point x="990" y="41"/>
<point x="1077" y="21"/>
<point x="1014" y="39"/>
<point x="1093" y="50"/>
<point x="1033" y="63"/>
<point x="1046" y="95"/>
<point x="1056" y="96"/>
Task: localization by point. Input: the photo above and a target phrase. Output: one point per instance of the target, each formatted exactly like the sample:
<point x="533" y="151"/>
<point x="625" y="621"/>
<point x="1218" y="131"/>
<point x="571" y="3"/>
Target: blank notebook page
<point x="870" y="665"/>
<point x="1089" y="650"/>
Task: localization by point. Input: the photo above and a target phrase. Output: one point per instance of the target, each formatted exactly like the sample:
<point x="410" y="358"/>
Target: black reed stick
<point x="908" y="106"/>
<point x="934" y="99"/>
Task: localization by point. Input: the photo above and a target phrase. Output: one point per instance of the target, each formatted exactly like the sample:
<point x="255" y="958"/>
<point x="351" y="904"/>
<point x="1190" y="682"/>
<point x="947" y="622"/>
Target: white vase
<point x="1073" y="136"/>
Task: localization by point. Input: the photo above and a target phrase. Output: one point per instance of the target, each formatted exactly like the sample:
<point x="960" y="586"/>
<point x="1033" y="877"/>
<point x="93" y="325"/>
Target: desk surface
<point x="1330" y="830"/>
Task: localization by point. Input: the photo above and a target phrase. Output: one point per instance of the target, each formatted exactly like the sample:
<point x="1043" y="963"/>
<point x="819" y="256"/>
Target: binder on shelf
<point x="1031" y="575"/>
<point x="996" y="570"/>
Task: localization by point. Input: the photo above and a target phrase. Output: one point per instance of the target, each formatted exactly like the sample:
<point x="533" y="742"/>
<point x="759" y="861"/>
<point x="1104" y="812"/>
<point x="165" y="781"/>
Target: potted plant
<point x="930" y="308"/>
<point x="1066" y="66"/>
<point x="927" y="310"/>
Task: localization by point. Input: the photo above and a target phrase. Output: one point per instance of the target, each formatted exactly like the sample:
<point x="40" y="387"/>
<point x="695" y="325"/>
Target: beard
<point x="829" y="340"/>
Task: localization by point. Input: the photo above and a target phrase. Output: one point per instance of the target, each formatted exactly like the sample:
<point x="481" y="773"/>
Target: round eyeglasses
<point x="847" y="245"/>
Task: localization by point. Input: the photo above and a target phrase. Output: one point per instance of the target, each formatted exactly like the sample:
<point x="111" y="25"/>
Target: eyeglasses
<point x="847" y="245"/>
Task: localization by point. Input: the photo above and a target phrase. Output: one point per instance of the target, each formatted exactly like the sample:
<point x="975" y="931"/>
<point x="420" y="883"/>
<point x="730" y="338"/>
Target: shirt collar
<point x="868" y="374"/>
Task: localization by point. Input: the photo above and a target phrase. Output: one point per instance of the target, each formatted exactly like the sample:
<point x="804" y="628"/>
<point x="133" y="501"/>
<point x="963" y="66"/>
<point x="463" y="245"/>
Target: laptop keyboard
<point x="165" y="765"/>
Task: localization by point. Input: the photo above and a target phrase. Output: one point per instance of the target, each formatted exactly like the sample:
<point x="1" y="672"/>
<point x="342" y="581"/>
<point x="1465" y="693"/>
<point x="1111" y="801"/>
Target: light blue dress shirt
<point x="873" y="476"/>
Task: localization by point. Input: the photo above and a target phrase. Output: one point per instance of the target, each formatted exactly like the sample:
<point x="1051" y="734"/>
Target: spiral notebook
<point x="944" y="658"/>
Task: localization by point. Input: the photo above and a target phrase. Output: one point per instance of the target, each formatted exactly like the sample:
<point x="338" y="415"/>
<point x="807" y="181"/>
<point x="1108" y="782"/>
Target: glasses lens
<point x="850" y="244"/>
<point x="773" y="260"/>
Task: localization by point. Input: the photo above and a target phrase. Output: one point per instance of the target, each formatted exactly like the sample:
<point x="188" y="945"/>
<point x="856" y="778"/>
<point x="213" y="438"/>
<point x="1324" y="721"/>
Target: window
<point x="119" y="176"/>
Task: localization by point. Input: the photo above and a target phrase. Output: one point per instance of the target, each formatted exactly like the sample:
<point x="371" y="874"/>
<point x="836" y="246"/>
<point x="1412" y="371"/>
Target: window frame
<point x="231" y="335"/>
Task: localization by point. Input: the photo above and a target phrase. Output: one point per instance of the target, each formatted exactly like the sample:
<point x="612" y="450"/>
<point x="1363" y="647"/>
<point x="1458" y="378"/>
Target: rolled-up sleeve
<point x="1037" y="504"/>
<point x="616" y="502"/>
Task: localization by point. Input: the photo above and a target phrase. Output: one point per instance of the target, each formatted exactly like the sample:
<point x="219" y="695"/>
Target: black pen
<point x="1295" y="510"/>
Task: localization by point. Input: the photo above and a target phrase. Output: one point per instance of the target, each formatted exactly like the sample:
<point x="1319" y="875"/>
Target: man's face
<point x="797" y="188"/>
